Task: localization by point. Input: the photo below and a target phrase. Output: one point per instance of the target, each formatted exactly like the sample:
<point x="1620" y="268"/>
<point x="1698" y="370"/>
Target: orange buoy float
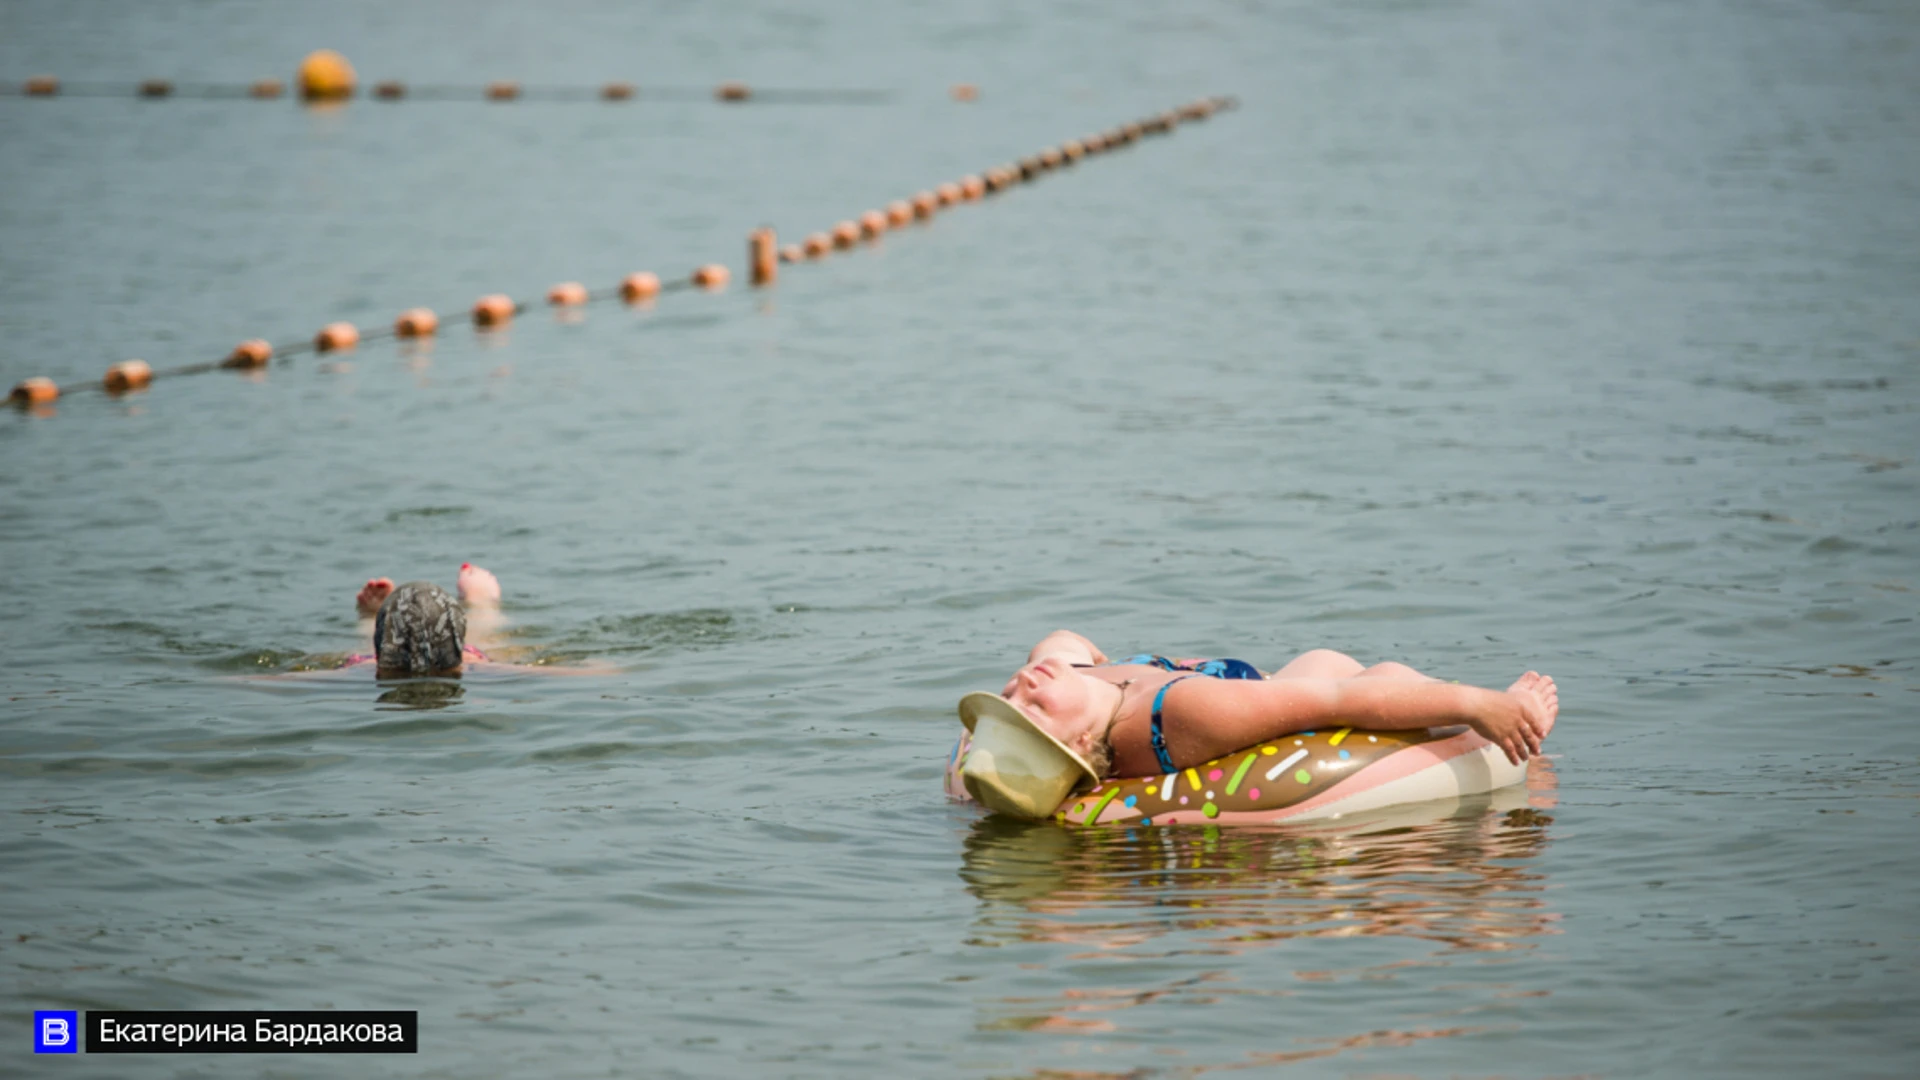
<point x="1030" y="168"/>
<point x="763" y="263"/>
<point x="924" y="205"/>
<point x="872" y="224"/>
<point x="1130" y="131"/>
<point x="792" y="253"/>
<point x="972" y="187"/>
<point x="267" y="88"/>
<point x="845" y="235"/>
<point x="325" y="75"/>
<point x="1093" y="144"/>
<point x="899" y="212"/>
<point x="390" y="90"/>
<point x="40" y="86"/>
<point x="965" y="92"/>
<point x="156" y="88"/>
<point x="1071" y="151"/>
<point x="712" y="276"/>
<point x="567" y="294"/>
<point x="1051" y="158"/>
<point x="505" y="90"/>
<point x="1198" y="110"/>
<point x="251" y="353"/>
<point x="38" y="390"/>
<point x="494" y="309"/>
<point x="641" y="286"/>
<point x="127" y="375"/>
<point x="997" y="180"/>
<point x="416" y="322"/>
<point x="732" y="91"/>
<point x="947" y="194"/>
<point x="816" y="245"/>
<point x="616" y="91"/>
<point x="339" y="335"/>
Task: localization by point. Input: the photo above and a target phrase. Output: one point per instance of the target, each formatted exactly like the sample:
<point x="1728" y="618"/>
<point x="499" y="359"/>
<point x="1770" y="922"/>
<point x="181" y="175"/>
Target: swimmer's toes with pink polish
<point x="372" y="595"/>
<point x="478" y="586"/>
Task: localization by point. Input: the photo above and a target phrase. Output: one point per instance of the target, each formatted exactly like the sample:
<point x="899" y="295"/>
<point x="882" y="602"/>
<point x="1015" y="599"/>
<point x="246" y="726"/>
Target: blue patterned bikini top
<point x="1218" y="669"/>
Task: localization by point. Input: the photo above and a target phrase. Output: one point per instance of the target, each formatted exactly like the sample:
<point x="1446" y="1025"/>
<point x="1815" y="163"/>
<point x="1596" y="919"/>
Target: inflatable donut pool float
<point x="1308" y="776"/>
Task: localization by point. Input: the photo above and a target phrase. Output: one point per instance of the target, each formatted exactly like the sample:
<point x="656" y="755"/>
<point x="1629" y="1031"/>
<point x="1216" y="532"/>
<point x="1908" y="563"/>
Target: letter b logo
<point x="56" y="1032"/>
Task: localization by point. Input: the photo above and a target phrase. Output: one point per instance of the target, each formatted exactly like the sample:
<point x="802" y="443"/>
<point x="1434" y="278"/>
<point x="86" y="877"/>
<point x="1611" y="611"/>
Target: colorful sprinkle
<point x="1344" y="755"/>
<point x="1183" y="800"/>
<point x="1210" y="810"/>
<point x="1338" y="735"/>
<point x="1093" y="818"/>
<point x="1253" y="793"/>
<point x="1194" y="779"/>
<point x="1308" y="734"/>
<point x="1130" y="800"/>
<point x="1303" y="776"/>
<point x="1166" y="788"/>
<point x="1240" y="773"/>
<point x="1214" y="775"/>
<point x="1146" y="821"/>
<point x="1373" y="738"/>
<point x="1269" y="750"/>
<point x="1285" y="764"/>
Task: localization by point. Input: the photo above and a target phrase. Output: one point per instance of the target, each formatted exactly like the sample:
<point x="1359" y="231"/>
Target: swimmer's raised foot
<point x="372" y="595"/>
<point x="478" y="587"/>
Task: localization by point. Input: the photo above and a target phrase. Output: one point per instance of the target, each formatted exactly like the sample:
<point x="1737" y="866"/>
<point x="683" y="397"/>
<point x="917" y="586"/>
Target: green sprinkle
<point x="1093" y="818"/>
<point x="1240" y="773"/>
<point x="1210" y="810"/>
<point x="1303" y="776"/>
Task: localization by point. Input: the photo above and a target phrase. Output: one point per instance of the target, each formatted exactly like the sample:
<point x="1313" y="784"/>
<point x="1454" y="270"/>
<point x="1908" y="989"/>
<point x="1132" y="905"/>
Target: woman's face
<point x="1059" y="698"/>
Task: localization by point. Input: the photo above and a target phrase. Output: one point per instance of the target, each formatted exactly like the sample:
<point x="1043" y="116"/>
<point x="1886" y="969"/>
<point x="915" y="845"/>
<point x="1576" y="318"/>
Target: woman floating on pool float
<point x="1071" y="718"/>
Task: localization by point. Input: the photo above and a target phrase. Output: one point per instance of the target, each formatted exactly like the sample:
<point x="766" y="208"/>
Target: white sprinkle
<point x="1166" y="788"/>
<point x="1285" y="764"/>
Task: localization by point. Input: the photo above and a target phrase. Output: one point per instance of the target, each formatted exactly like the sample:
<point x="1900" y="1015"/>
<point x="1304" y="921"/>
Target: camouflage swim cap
<point x="420" y="630"/>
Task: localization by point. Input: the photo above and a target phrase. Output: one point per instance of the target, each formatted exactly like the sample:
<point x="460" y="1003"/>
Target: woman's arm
<point x="1206" y="718"/>
<point x="1068" y="646"/>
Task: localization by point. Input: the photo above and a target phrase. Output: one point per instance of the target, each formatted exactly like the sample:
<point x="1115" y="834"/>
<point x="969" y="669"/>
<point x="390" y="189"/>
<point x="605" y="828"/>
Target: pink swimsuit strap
<point x="468" y="651"/>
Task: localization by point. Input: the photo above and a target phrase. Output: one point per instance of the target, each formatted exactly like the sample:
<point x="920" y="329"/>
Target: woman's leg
<point x="1320" y="664"/>
<point x="1391" y="670"/>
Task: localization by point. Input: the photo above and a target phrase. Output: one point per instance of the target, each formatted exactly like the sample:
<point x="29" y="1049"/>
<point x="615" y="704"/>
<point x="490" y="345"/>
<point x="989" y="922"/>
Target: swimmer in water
<point x="1143" y="715"/>
<point x="418" y="629"/>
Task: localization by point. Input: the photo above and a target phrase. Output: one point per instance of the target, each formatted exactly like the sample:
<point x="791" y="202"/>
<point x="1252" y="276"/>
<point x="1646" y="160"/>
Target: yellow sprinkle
<point x="1338" y="735"/>
<point x="1194" y="779"/>
<point x="1269" y="750"/>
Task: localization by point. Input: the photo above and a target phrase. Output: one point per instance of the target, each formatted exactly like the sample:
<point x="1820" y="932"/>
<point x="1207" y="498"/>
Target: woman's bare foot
<point x="1540" y="691"/>
<point x="372" y="595"/>
<point x="478" y="587"/>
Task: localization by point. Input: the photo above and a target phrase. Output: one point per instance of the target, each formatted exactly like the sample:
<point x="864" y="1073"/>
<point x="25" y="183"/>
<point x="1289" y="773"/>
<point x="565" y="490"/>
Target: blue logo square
<point x="56" y="1031"/>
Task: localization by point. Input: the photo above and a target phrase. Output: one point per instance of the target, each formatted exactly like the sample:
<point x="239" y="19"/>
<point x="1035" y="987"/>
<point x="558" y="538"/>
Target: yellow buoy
<point x="325" y="76"/>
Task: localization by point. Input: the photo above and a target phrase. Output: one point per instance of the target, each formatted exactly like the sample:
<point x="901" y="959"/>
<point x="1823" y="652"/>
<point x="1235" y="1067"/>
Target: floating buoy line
<point x="764" y="256"/>
<point x="47" y="86"/>
<point x="326" y="76"/>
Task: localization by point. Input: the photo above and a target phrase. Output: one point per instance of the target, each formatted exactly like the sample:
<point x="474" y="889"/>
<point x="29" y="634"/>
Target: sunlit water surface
<point x="1485" y="335"/>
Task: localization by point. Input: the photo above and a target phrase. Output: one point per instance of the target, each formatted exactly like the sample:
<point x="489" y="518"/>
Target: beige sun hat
<point x="1015" y="766"/>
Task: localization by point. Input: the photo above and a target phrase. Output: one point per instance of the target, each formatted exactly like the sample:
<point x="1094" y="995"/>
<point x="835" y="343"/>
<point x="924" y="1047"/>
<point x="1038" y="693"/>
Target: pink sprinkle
<point x="1183" y="800"/>
<point x="1214" y="774"/>
<point x="1253" y="793"/>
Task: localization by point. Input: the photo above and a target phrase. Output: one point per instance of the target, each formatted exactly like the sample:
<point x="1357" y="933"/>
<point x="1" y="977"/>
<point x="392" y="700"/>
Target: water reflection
<point x="1458" y="874"/>
<point x="420" y="694"/>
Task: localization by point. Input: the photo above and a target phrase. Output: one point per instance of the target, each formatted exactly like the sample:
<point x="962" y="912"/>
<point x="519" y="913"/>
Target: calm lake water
<point x="1486" y="335"/>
